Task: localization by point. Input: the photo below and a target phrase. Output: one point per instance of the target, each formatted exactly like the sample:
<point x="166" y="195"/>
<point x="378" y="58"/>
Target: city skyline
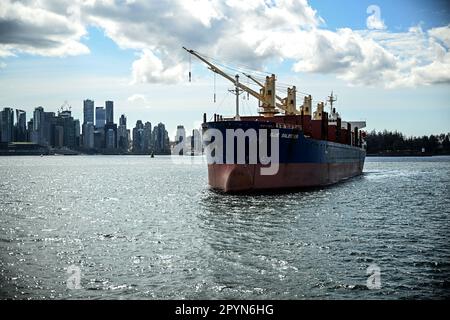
<point x="97" y="110"/>
<point x="389" y="64"/>
<point x="97" y="133"/>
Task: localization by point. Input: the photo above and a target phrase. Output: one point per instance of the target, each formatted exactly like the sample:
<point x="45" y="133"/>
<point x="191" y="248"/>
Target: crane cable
<point x="190" y="70"/>
<point x="241" y="70"/>
<point x="214" y="87"/>
<point x="242" y="66"/>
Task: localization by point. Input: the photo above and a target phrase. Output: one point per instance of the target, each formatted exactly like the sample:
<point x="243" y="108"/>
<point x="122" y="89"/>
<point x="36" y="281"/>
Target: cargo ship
<point x="314" y="148"/>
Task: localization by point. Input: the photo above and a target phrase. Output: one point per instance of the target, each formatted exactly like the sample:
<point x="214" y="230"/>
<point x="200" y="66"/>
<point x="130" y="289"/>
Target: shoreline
<point x="384" y="155"/>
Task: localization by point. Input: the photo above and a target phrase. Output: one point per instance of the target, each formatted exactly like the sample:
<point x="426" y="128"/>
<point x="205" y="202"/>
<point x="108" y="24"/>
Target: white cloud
<point x="46" y="30"/>
<point x="202" y="10"/>
<point x="253" y="32"/>
<point x="150" y="69"/>
<point x="2" y="65"/>
<point x="421" y="58"/>
<point x="441" y="34"/>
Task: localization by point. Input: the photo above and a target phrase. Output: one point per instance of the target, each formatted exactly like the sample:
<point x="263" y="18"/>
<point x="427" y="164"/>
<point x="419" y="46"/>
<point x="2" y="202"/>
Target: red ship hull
<point x="237" y="177"/>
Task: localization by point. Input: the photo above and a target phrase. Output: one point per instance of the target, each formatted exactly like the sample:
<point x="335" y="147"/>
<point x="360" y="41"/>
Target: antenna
<point x="331" y="100"/>
<point x="237" y="91"/>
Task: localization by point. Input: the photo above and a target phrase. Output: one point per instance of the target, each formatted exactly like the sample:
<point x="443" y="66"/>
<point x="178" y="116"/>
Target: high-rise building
<point x="42" y="127"/>
<point x="197" y="142"/>
<point x="110" y="135"/>
<point x="65" y="130"/>
<point x="21" y="126"/>
<point x="99" y="139"/>
<point x="110" y="138"/>
<point x="88" y="111"/>
<point x="59" y="136"/>
<point x="138" y="137"/>
<point x="100" y="117"/>
<point x="148" y="146"/>
<point x="181" y="134"/>
<point x="180" y="138"/>
<point x="88" y="135"/>
<point x="122" y="134"/>
<point x="7" y="125"/>
<point x="109" y="111"/>
<point x="76" y="124"/>
<point x="161" y="139"/>
<point x="88" y="127"/>
<point x="30" y="129"/>
<point x="99" y="133"/>
<point x="123" y="120"/>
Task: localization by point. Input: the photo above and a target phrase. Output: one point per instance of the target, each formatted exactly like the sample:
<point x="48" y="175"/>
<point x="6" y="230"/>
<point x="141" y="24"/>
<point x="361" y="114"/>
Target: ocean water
<point x="133" y="227"/>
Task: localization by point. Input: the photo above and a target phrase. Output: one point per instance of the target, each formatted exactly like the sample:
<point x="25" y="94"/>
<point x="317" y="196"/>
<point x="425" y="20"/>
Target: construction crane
<point x="266" y="95"/>
<point x="260" y="84"/>
<point x="289" y="102"/>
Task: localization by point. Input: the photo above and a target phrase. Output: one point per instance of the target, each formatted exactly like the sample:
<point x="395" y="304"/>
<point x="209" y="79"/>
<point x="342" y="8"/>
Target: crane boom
<point x="215" y="69"/>
<point x="268" y="105"/>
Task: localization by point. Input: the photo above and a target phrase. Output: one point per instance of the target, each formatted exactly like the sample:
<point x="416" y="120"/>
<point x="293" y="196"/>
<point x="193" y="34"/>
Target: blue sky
<point x="395" y="77"/>
<point x="399" y="15"/>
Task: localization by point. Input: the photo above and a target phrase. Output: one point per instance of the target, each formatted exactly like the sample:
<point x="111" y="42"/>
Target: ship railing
<point x="288" y="126"/>
<point x="277" y="125"/>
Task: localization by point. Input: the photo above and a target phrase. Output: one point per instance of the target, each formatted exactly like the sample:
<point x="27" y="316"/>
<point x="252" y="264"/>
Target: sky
<point x="387" y="61"/>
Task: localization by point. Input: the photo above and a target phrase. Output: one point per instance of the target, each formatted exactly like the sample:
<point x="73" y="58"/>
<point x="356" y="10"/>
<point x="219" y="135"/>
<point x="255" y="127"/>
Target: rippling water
<point x="138" y="227"/>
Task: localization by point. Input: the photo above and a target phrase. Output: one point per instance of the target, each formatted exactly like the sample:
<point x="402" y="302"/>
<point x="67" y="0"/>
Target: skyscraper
<point x="110" y="138"/>
<point x="197" y="142"/>
<point x="109" y="111"/>
<point x="148" y="137"/>
<point x="88" y="111"/>
<point x="88" y="124"/>
<point x="161" y="139"/>
<point x="100" y="117"/>
<point x="65" y="130"/>
<point x="21" y="126"/>
<point x="6" y="125"/>
<point x="88" y="135"/>
<point x="123" y="120"/>
<point x="76" y="124"/>
<point x="99" y="139"/>
<point x="38" y="117"/>
<point x="59" y="136"/>
<point x="30" y="130"/>
<point x="138" y="137"/>
<point x="181" y="134"/>
<point x="110" y="132"/>
<point x="180" y="138"/>
<point x="42" y="127"/>
<point x="122" y="134"/>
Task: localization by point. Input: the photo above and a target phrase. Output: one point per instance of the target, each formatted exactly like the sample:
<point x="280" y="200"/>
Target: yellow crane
<point x="266" y="95"/>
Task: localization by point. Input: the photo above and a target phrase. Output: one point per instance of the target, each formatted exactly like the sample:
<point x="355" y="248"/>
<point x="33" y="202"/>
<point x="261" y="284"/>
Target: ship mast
<point x="237" y="91"/>
<point x="266" y="96"/>
<point x="331" y="100"/>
